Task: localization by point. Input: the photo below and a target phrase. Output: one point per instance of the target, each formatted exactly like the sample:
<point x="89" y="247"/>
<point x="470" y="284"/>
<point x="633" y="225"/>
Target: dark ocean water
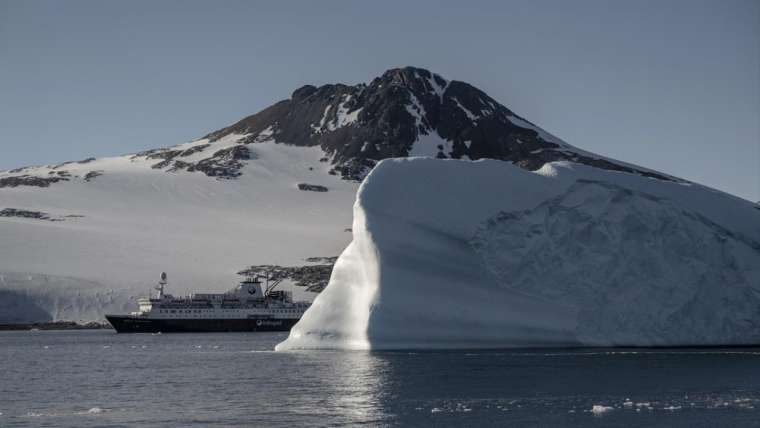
<point x="101" y="379"/>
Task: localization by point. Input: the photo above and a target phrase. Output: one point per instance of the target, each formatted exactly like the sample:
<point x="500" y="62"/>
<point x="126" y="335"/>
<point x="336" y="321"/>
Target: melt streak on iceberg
<point x="458" y="254"/>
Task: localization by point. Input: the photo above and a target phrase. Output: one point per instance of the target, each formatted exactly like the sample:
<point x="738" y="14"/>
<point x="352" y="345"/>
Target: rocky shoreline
<point x="56" y="325"/>
<point x="313" y="277"/>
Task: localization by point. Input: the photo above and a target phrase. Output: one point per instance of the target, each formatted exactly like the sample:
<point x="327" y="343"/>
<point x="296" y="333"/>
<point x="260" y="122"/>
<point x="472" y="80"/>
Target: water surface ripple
<point x="102" y="379"/>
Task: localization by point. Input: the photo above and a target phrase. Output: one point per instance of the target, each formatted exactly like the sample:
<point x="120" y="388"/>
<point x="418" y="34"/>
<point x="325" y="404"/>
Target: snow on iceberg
<point x="458" y="254"/>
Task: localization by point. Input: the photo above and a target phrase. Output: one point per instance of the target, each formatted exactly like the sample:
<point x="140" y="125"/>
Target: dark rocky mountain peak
<point x="406" y="111"/>
<point x="359" y="125"/>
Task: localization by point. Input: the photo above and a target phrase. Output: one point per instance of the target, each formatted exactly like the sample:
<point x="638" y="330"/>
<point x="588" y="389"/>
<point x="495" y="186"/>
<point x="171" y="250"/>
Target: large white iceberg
<point x="459" y="254"/>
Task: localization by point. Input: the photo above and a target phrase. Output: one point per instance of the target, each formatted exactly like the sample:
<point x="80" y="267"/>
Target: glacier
<point x="461" y="254"/>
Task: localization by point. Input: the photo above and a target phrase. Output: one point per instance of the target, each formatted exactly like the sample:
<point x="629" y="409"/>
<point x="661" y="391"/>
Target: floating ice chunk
<point x="570" y="256"/>
<point x="598" y="409"/>
<point x="92" y="411"/>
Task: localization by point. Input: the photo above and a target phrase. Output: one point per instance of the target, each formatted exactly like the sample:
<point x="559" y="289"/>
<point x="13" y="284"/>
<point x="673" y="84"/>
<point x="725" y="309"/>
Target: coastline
<point x="55" y="325"/>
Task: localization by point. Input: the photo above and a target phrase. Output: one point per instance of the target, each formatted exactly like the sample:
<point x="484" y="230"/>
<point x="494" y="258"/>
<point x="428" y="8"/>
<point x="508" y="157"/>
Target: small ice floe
<point x="436" y="410"/>
<point x="106" y="346"/>
<point x="744" y="403"/>
<point x="598" y="409"/>
<point x="45" y="347"/>
<point x="216" y="346"/>
<point x="627" y="403"/>
<point x="198" y="346"/>
<point x="143" y="347"/>
<point x="133" y="346"/>
<point x="33" y="414"/>
<point x="644" y="404"/>
<point x="92" y="411"/>
<point x="672" y="408"/>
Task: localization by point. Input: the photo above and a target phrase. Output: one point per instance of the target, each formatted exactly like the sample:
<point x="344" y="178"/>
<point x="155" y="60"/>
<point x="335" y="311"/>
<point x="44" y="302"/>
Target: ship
<point x="249" y="307"/>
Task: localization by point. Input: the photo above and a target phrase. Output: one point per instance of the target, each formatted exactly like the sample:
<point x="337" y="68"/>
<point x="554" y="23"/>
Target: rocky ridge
<point x="405" y="112"/>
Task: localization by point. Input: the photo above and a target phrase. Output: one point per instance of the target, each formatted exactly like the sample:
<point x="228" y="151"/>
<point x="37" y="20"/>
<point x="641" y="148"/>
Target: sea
<point x="99" y="378"/>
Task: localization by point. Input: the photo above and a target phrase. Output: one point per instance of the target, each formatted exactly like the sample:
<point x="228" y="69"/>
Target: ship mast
<point x="161" y="285"/>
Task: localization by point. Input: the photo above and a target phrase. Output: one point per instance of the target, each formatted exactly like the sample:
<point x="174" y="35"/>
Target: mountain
<point x="568" y="255"/>
<point x="275" y="188"/>
<point x="405" y="112"/>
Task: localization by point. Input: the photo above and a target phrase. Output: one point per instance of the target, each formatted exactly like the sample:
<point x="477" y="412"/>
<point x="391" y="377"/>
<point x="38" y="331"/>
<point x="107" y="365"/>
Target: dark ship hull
<point x="133" y="324"/>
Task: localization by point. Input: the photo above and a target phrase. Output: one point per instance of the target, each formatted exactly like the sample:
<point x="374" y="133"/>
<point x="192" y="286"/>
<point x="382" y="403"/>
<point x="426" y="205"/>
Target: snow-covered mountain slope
<point x="566" y="255"/>
<point x="110" y="236"/>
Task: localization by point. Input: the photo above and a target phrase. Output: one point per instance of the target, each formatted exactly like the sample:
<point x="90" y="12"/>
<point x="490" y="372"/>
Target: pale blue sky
<point x="670" y="85"/>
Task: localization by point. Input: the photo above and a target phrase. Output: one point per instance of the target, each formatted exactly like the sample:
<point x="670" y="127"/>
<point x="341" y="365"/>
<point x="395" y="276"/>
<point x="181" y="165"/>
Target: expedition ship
<point x="247" y="307"/>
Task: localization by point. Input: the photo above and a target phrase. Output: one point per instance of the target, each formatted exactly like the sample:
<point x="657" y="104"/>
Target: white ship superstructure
<point x="251" y="306"/>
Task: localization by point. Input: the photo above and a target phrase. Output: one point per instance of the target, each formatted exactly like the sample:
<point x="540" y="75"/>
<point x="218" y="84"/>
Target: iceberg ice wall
<point x="457" y="254"/>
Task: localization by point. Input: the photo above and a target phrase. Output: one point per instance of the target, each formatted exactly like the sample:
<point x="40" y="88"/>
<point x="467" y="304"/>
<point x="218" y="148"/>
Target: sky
<point x="670" y="85"/>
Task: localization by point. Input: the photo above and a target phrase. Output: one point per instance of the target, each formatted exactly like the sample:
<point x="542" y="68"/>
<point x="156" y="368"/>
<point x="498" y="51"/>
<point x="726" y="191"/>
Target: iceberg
<point x="453" y="254"/>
